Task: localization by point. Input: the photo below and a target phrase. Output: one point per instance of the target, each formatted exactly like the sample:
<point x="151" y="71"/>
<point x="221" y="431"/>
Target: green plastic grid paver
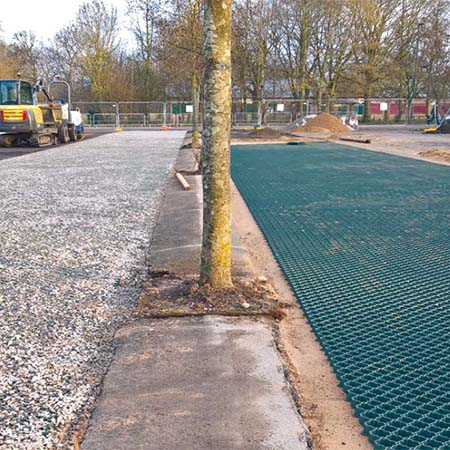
<point x="363" y="238"/>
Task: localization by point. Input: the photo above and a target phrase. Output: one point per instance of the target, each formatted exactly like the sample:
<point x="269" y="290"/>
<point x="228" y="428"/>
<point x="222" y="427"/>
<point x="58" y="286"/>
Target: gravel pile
<point x="75" y="223"/>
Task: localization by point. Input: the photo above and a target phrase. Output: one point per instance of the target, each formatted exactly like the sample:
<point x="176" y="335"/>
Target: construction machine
<point x="25" y="122"/>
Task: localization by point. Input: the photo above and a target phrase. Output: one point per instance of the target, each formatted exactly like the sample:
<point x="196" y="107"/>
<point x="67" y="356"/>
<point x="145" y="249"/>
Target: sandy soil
<point x="169" y="295"/>
<point x="401" y="140"/>
<point x="327" y="414"/>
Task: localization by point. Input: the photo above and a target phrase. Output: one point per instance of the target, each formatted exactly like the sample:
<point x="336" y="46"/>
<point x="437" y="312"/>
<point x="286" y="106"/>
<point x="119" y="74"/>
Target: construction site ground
<point x="289" y="369"/>
<point x="321" y="400"/>
<point x="402" y="140"/>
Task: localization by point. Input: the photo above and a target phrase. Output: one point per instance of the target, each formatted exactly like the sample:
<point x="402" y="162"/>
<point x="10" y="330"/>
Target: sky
<point x="46" y="17"/>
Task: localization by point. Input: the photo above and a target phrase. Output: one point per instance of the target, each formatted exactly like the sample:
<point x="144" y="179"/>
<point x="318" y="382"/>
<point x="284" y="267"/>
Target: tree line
<point x="319" y="49"/>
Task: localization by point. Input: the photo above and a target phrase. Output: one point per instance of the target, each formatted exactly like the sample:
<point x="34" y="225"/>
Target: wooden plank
<point x="360" y="140"/>
<point x="182" y="180"/>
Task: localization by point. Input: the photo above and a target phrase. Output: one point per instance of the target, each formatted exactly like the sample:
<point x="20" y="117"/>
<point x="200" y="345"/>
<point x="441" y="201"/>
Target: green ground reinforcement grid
<point x="364" y="240"/>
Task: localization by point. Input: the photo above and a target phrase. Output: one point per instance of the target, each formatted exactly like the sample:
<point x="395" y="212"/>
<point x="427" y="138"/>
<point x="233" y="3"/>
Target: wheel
<point x="63" y="134"/>
<point x="72" y="133"/>
<point x="6" y="141"/>
<point x="34" y="141"/>
<point x="80" y="133"/>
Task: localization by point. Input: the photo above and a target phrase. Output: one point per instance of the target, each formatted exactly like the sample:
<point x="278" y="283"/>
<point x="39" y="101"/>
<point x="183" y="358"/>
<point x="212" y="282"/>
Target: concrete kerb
<point x="176" y="242"/>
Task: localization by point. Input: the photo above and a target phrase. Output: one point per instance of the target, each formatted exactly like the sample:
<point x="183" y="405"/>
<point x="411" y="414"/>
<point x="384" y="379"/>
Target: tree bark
<point x="196" y="107"/>
<point x="215" y="267"/>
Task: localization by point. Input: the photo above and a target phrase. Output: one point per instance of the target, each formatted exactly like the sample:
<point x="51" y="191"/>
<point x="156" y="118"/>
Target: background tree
<point x="435" y="67"/>
<point x="6" y="64"/>
<point x="293" y="27"/>
<point x="374" y="41"/>
<point x="182" y="42"/>
<point x="145" y="16"/>
<point x="252" y="46"/>
<point x="26" y="55"/>
<point x="331" y="48"/>
<point x="97" y="30"/>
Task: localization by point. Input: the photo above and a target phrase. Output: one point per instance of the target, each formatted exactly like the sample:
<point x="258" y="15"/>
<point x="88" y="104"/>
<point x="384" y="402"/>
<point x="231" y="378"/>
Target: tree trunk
<point x="215" y="267"/>
<point x="367" y="93"/>
<point x="195" y="85"/>
<point x="319" y="100"/>
<point x="399" y="116"/>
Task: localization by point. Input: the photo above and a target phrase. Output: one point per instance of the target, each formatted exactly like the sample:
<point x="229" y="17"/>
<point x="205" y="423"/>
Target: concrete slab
<point x="197" y="384"/>
<point x="176" y="244"/>
<point x="186" y="160"/>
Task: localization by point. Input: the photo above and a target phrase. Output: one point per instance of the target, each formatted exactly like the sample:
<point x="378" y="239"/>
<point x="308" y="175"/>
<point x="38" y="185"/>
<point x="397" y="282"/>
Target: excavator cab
<point x="20" y="118"/>
<point x="15" y="92"/>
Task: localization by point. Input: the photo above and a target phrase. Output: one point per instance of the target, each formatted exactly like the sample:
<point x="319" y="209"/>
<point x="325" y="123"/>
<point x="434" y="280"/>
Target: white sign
<point x="280" y="107"/>
<point x="189" y="108"/>
<point x="383" y="106"/>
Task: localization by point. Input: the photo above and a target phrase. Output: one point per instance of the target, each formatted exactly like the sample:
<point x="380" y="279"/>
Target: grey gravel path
<point x="75" y="223"/>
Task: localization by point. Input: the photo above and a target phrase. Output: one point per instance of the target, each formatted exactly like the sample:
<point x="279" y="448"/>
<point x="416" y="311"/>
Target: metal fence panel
<point x="276" y="111"/>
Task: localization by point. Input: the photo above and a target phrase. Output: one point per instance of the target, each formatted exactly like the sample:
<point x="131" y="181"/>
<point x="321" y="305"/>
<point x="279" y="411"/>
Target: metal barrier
<point x="179" y="120"/>
<point x="246" y="118"/>
<point x="103" y="120"/>
<point x="276" y="111"/>
<point x="133" y="120"/>
<point x="156" y="119"/>
<point x="278" y="118"/>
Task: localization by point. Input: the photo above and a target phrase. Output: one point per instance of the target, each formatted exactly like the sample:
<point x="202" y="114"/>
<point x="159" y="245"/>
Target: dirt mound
<point x="438" y="155"/>
<point x="264" y="133"/>
<point x="322" y="123"/>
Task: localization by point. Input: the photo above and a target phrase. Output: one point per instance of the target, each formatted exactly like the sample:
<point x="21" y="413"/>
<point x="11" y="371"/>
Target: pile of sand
<point x="322" y="123"/>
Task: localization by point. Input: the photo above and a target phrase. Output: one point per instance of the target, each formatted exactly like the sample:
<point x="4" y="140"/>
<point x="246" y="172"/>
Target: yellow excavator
<point x="25" y="122"/>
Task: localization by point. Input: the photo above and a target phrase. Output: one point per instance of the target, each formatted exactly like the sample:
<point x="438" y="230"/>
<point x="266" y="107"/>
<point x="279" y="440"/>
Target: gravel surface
<point x="75" y="223"/>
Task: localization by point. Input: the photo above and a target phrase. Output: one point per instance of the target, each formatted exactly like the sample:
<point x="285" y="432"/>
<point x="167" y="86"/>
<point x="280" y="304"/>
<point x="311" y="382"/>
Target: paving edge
<point x="177" y="238"/>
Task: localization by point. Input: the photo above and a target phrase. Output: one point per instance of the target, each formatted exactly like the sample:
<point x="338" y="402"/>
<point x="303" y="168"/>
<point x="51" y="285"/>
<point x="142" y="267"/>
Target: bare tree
<point x="436" y="52"/>
<point x="26" y="53"/>
<point x="182" y="41"/>
<point x="215" y="268"/>
<point x="293" y="31"/>
<point x="63" y="55"/>
<point x="331" y="48"/>
<point x="373" y="43"/>
<point x="145" y="17"/>
<point x="252" y="45"/>
<point x="97" y="28"/>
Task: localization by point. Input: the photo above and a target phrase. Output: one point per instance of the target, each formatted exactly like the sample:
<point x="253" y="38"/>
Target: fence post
<point x="164" y="113"/>
<point x="116" y="105"/>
